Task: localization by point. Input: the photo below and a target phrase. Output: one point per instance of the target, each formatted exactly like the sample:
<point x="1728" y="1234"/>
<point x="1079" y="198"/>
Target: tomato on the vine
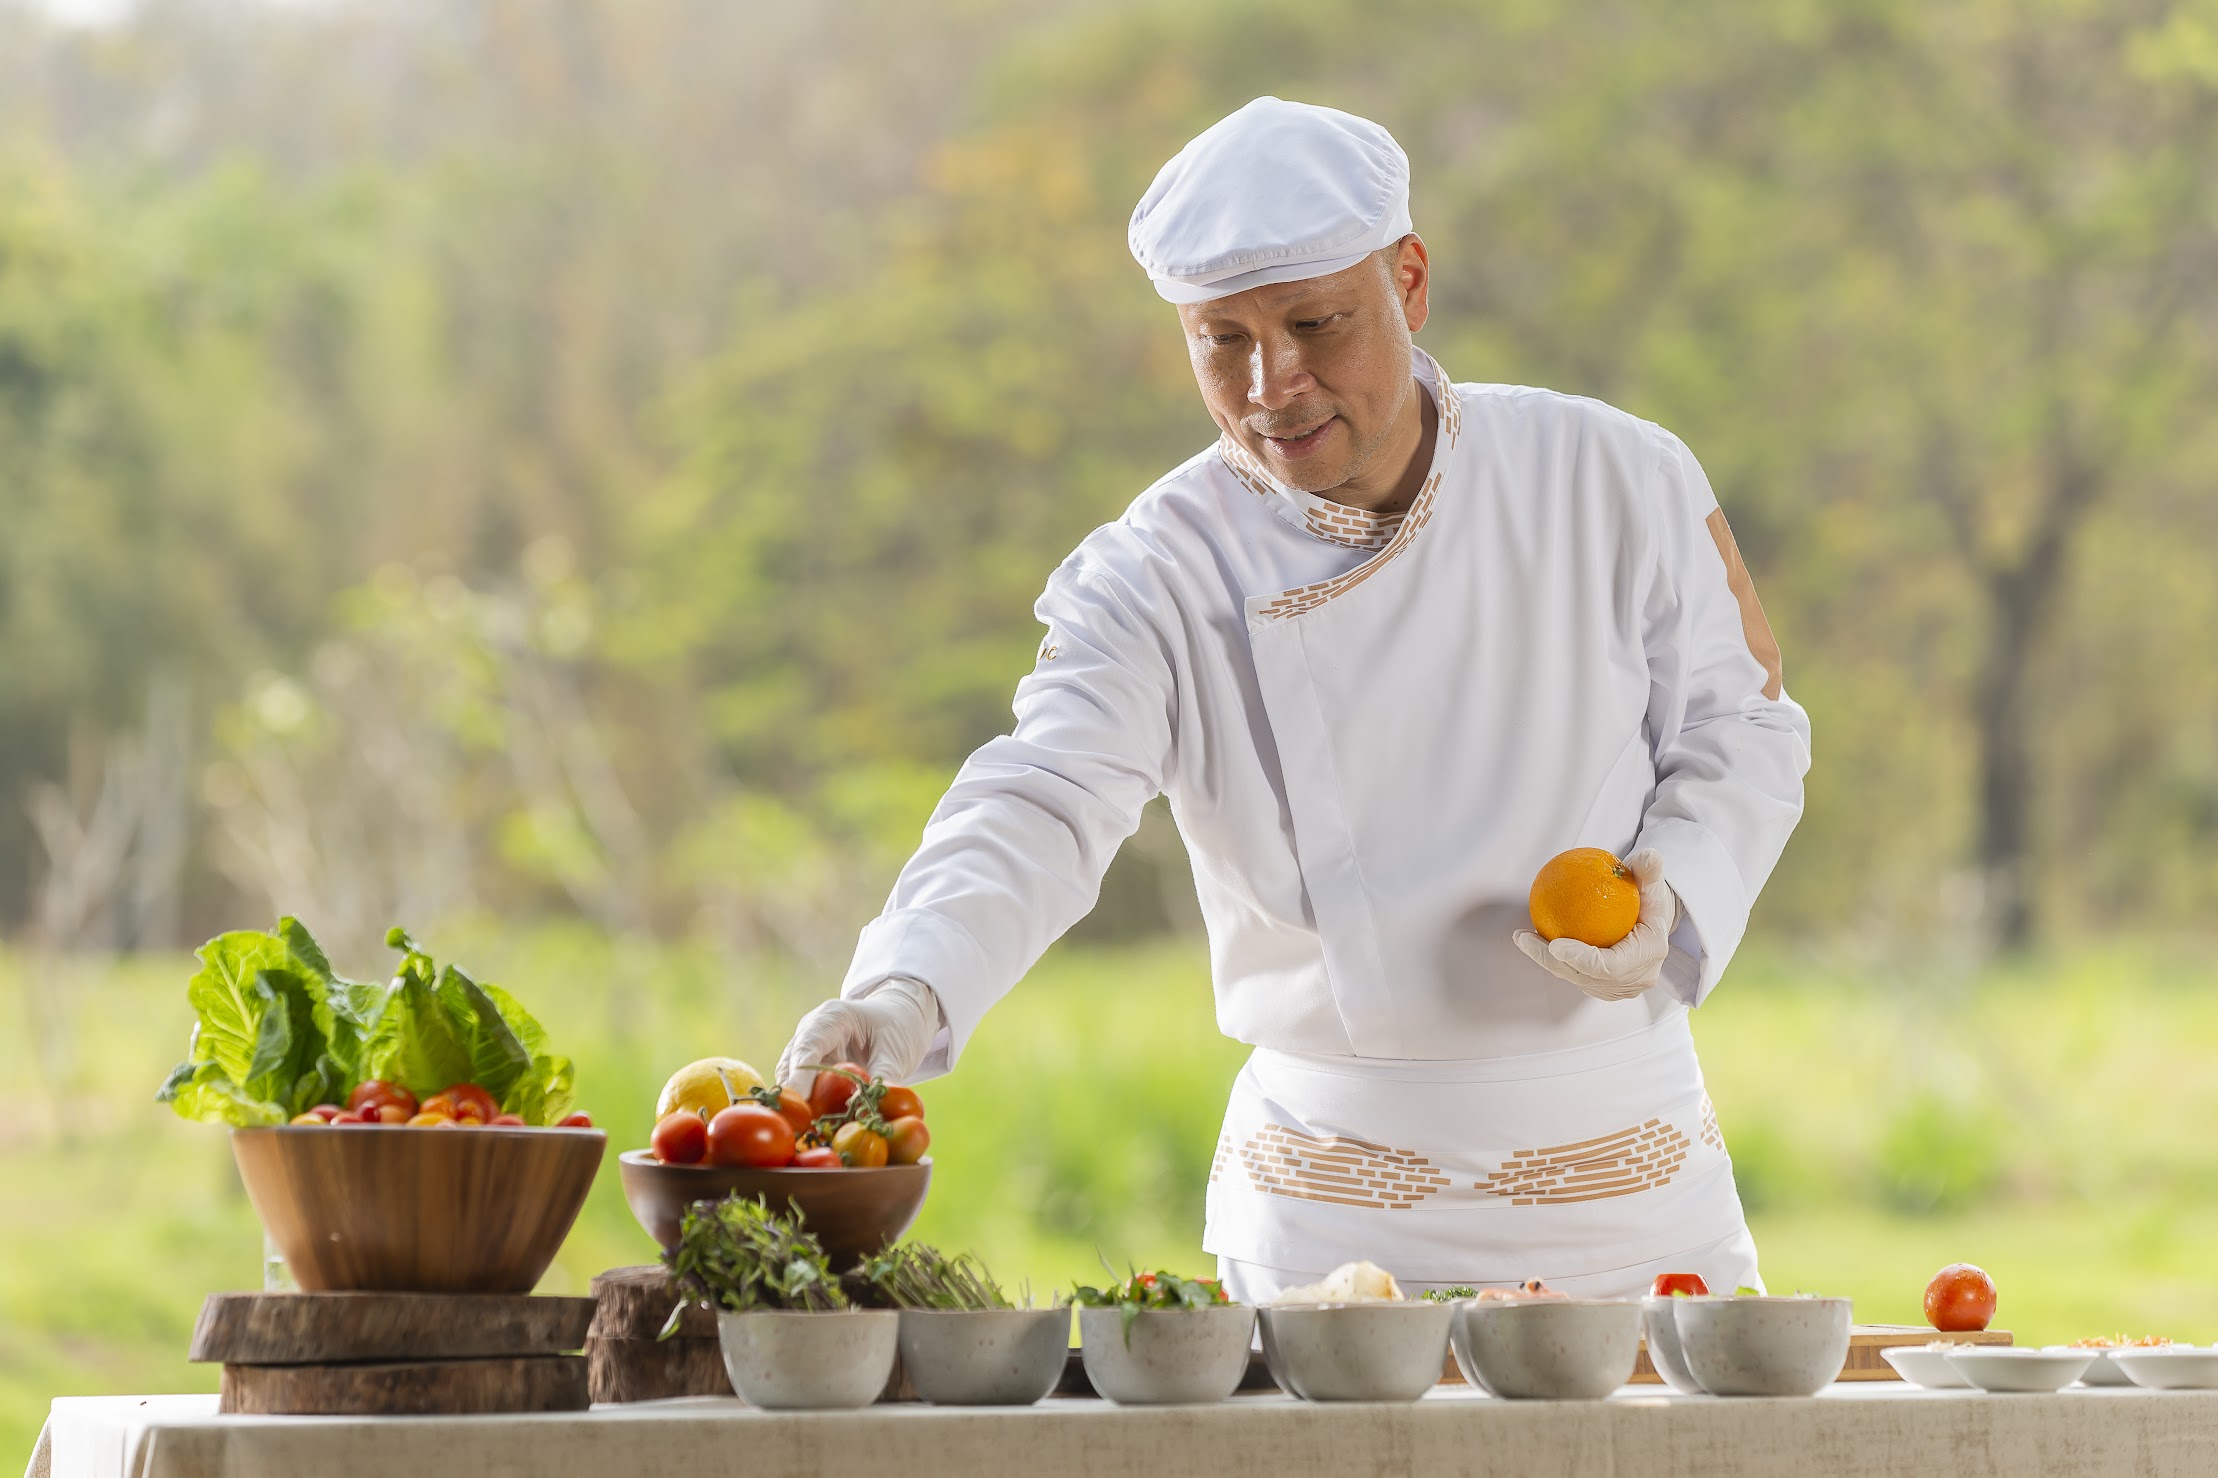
<point x="900" y="1103"/>
<point x="817" y="1157"/>
<point x="787" y="1103"/>
<point x="906" y="1140"/>
<point x="749" y="1134"/>
<point x="860" y="1147"/>
<point x="834" y="1087"/>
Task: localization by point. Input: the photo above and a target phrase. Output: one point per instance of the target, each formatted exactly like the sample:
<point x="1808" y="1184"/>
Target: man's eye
<point x="1221" y="340"/>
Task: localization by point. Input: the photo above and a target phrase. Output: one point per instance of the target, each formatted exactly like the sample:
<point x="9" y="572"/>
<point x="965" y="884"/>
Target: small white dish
<point x="2008" y="1370"/>
<point x="2102" y="1371"/>
<point x="1923" y="1365"/>
<point x="2169" y="1367"/>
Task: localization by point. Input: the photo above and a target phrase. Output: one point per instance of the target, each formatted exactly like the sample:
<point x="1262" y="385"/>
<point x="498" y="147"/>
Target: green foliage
<point x="738" y="1255"/>
<point x="1938" y="1154"/>
<point x="917" y="1275"/>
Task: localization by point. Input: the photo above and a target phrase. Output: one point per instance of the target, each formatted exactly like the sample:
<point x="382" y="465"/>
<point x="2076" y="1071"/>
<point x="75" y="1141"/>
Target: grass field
<point x="2051" y="1123"/>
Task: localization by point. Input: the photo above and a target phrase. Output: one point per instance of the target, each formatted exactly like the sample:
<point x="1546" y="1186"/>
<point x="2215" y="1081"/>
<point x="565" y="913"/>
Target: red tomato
<point x="576" y="1121"/>
<point x="833" y="1089"/>
<point x="370" y="1096"/>
<point x="749" y="1134"/>
<point x="1667" y="1284"/>
<point x="900" y="1103"/>
<point x="861" y="1148"/>
<point x="471" y="1101"/>
<point x="327" y="1111"/>
<point x="906" y="1140"/>
<point x="1960" y="1297"/>
<point x="508" y="1121"/>
<point x="348" y="1119"/>
<point x="790" y="1104"/>
<point x="819" y="1157"/>
<point x="679" y="1139"/>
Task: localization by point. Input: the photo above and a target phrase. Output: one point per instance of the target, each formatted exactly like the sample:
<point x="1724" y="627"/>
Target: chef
<point x="1388" y="645"/>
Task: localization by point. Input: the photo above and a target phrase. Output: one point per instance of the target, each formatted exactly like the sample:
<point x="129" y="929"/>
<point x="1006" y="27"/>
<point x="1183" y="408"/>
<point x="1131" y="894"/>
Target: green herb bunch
<point x="738" y="1254"/>
<point x="916" y="1276"/>
<point x="1156" y="1290"/>
<point x="1449" y="1295"/>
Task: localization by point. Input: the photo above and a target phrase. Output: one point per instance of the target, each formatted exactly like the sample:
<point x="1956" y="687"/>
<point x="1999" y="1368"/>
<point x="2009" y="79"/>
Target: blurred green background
<point x="572" y="476"/>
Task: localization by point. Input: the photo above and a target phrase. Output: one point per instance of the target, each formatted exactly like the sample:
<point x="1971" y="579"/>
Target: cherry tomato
<point x="508" y="1121"/>
<point x="471" y="1101"/>
<point x="832" y="1089"/>
<point x="327" y="1111"/>
<point x="749" y="1134"/>
<point x="349" y="1118"/>
<point x="858" y="1147"/>
<point x="1960" y="1297"/>
<point x="429" y="1121"/>
<point x="374" y="1094"/>
<point x="576" y="1121"/>
<point x="310" y="1119"/>
<point x="906" y="1140"/>
<point x="680" y="1138"/>
<point x="900" y="1103"/>
<point x="792" y="1105"/>
<point x="1667" y="1284"/>
<point x="391" y="1112"/>
<point x="817" y="1157"/>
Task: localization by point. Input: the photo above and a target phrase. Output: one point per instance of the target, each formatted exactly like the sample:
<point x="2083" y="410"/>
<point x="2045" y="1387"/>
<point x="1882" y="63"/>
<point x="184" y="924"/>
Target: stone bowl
<point x="1661" y="1329"/>
<point x="1388" y="1351"/>
<point x="784" y="1361"/>
<point x="987" y="1357"/>
<point x="1169" y="1357"/>
<point x="1554" y="1349"/>
<point x="1751" y="1345"/>
<point x="854" y="1213"/>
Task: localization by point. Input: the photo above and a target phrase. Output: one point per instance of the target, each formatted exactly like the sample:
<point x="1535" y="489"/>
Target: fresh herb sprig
<point x="1157" y="1290"/>
<point x="738" y="1254"/>
<point x="915" y="1275"/>
<point x="1449" y="1295"/>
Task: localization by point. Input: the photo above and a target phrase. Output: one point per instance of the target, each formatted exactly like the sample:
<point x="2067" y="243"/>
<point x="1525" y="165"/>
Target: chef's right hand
<point x="888" y="1031"/>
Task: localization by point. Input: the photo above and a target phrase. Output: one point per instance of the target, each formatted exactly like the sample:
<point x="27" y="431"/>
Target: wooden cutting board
<point x="380" y="1354"/>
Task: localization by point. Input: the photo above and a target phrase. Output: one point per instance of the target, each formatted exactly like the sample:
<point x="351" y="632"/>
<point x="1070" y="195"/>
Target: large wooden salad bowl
<point x="399" y="1209"/>
<point x="854" y="1213"/>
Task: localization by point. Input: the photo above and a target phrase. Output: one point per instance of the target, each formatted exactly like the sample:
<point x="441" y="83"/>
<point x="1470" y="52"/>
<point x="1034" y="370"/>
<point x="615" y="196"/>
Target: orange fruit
<point x="1584" y="894"/>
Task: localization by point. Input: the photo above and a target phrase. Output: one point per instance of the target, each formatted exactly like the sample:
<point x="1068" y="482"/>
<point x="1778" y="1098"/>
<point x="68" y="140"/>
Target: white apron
<point x="1565" y="1166"/>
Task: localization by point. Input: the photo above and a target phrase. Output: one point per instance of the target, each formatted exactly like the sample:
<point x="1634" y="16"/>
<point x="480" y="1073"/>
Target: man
<point x="1389" y="645"/>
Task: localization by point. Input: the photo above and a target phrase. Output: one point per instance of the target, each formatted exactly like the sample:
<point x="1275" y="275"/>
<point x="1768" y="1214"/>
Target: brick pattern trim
<point x="1637" y="1159"/>
<point x="1340" y="1172"/>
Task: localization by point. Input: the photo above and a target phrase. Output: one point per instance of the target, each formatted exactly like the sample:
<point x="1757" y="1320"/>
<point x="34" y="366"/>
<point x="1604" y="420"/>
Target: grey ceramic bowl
<point x="809" y="1362"/>
<point x="1175" y="1357"/>
<point x="1661" y="1330"/>
<point x="1763" y="1346"/>
<point x="992" y="1357"/>
<point x="1557" y="1349"/>
<point x="1357" y="1351"/>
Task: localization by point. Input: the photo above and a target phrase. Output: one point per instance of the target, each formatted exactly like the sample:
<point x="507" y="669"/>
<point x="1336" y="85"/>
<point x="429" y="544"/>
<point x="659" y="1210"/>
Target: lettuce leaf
<point x="278" y="1031"/>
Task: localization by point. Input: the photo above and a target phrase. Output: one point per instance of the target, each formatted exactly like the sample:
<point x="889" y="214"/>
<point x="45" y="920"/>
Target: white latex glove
<point x="887" y="1031"/>
<point x="1631" y="965"/>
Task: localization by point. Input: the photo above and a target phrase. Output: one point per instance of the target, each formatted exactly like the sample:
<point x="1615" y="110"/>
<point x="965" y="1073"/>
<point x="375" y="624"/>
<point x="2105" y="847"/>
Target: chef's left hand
<point x="1629" y="966"/>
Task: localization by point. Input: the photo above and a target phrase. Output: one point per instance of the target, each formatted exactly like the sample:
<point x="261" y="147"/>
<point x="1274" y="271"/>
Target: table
<point x="1871" y="1428"/>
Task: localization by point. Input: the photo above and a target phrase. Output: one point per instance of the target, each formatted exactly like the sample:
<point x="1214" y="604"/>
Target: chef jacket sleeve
<point x="1015" y="851"/>
<point x="1730" y="746"/>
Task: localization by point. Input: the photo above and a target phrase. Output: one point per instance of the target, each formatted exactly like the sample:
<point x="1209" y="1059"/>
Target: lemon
<point x="707" y="1087"/>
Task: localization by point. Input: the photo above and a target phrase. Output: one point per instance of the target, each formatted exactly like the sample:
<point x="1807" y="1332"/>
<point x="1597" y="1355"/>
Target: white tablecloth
<point x="1871" y="1428"/>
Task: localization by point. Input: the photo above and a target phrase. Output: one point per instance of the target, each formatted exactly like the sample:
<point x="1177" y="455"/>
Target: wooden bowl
<point x="852" y="1212"/>
<point x="395" y="1209"/>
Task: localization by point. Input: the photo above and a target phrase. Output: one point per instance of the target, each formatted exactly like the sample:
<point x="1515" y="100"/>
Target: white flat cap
<point x="1276" y="192"/>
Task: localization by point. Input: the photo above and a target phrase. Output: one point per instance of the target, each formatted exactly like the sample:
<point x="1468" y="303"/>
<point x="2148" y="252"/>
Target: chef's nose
<point x="1276" y="373"/>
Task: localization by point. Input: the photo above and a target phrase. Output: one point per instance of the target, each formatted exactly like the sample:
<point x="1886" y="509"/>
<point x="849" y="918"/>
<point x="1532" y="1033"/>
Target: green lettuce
<point x="278" y="1031"/>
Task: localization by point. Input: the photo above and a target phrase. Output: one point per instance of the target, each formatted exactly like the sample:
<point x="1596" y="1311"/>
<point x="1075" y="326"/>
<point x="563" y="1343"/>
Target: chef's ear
<point x="1410" y="274"/>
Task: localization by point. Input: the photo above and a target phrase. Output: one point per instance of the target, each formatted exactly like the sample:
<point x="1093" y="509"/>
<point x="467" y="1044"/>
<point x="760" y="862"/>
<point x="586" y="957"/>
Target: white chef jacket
<point x="1373" y="730"/>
